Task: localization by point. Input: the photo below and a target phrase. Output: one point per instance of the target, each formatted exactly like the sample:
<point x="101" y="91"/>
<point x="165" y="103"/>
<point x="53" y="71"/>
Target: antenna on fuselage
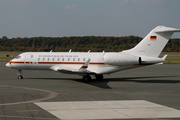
<point x="69" y="50"/>
<point x="89" y="51"/>
<point x="103" y="54"/>
<point x="51" y="51"/>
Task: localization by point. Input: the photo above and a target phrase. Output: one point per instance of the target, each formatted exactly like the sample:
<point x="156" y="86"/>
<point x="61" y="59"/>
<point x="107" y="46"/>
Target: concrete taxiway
<point x="147" y="93"/>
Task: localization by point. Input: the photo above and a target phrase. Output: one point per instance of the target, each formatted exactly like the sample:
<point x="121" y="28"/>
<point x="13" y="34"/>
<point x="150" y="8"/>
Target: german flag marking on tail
<point x="153" y="37"/>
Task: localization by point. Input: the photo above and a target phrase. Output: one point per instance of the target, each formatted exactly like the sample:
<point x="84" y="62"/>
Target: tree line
<point x="77" y="43"/>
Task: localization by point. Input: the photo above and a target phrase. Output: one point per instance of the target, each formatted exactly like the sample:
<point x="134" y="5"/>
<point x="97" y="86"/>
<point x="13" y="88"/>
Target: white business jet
<point x="97" y="63"/>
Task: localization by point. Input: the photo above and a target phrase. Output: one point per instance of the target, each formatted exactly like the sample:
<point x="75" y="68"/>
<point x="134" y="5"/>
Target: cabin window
<point x="78" y="59"/>
<point x="43" y="59"/>
<point x="38" y="59"/>
<point x="58" y="59"/>
<point x="48" y="59"/>
<point x="73" y="59"/>
<point x="68" y="59"/>
<point x="84" y="59"/>
<point x="62" y="59"/>
<point x="53" y="59"/>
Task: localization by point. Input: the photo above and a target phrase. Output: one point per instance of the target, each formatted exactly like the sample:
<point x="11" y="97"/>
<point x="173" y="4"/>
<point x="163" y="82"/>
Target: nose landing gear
<point x="20" y="74"/>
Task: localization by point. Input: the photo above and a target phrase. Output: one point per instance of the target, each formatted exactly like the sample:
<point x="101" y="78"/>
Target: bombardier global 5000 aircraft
<point x="97" y="63"/>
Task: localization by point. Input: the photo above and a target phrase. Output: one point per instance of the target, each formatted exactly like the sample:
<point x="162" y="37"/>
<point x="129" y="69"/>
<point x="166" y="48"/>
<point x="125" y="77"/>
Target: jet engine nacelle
<point x="150" y="60"/>
<point x="117" y="59"/>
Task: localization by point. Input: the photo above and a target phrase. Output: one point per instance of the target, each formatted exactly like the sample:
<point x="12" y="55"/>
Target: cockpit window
<point x="18" y="57"/>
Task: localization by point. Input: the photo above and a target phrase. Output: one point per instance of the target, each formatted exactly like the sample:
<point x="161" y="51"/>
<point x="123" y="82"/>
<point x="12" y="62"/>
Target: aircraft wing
<point x="73" y="69"/>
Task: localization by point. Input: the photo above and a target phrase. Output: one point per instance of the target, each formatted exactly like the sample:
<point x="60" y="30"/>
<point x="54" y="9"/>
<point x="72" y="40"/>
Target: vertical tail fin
<point x="154" y="42"/>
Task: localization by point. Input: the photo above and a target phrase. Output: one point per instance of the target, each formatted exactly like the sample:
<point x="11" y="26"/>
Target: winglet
<point x="85" y="65"/>
<point x="164" y="57"/>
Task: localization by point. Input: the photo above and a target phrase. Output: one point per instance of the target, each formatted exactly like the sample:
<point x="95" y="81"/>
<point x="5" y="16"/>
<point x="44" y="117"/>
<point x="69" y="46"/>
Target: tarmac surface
<point x="28" y="98"/>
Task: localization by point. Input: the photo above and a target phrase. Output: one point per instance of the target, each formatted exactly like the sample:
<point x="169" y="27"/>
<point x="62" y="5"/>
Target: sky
<point x="59" y="18"/>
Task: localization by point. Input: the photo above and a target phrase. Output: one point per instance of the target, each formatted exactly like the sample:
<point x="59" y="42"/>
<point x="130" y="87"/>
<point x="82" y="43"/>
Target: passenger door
<point x="28" y="61"/>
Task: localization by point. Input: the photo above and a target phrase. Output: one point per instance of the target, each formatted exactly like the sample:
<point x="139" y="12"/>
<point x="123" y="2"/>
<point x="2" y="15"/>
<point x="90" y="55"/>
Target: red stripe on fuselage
<point x="63" y="63"/>
<point x="20" y="62"/>
<point x="59" y="63"/>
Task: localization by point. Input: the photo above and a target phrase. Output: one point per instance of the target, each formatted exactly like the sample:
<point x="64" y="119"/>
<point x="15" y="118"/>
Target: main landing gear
<point x="87" y="78"/>
<point x="99" y="77"/>
<point x="20" y="74"/>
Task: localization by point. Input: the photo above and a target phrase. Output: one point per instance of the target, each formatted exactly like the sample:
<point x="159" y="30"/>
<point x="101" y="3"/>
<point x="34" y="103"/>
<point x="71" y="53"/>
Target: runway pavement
<point x="27" y="99"/>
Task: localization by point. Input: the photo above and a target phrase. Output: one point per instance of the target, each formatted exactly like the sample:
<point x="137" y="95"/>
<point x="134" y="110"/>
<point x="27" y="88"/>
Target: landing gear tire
<point x="99" y="77"/>
<point x="87" y="78"/>
<point x="20" y="77"/>
<point x="20" y="74"/>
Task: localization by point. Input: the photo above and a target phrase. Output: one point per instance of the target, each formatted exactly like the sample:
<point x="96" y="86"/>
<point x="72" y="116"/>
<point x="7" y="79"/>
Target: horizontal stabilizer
<point x="166" y="29"/>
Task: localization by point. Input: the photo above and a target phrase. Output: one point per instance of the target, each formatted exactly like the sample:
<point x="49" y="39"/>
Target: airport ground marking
<point x="6" y="94"/>
<point x="104" y="108"/>
<point x="89" y="109"/>
<point x="64" y="93"/>
<point x="120" y="109"/>
<point x="152" y="94"/>
<point x="138" y="93"/>
<point x="50" y="96"/>
<point x="22" y="117"/>
<point x="142" y="93"/>
<point x="27" y="110"/>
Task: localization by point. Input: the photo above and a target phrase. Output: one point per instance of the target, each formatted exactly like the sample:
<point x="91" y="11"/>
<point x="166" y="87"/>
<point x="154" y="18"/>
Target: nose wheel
<point x="20" y="77"/>
<point x="20" y="74"/>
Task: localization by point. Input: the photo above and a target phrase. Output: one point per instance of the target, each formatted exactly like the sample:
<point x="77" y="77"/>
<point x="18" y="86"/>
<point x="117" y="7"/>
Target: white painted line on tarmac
<point x="50" y="95"/>
<point x="108" y="109"/>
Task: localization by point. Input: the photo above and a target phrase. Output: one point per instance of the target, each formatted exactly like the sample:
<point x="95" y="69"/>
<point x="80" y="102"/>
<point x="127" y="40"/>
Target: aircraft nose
<point x="8" y="64"/>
